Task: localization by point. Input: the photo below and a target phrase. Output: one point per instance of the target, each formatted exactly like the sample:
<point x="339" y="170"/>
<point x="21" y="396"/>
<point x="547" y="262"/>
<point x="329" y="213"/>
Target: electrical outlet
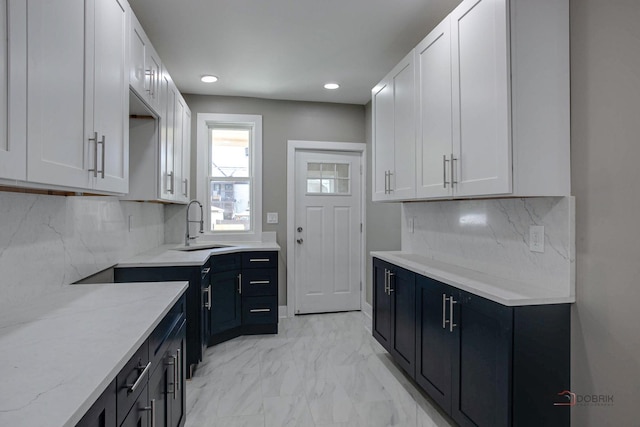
<point x="410" y="222"/>
<point x="272" y="217"/>
<point x="536" y="238"/>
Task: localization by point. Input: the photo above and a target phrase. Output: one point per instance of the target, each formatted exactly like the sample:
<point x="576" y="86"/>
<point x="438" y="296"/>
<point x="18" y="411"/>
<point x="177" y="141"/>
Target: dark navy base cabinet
<point x="484" y="363"/>
<point x="394" y="320"/>
<point x="198" y="279"/>
<point x="244" y="295"/>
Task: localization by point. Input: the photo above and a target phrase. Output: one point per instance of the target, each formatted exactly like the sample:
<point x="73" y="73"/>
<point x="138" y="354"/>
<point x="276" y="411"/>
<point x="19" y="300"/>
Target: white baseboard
<point x="282" y="312"/>
<point x="367" y="310"/>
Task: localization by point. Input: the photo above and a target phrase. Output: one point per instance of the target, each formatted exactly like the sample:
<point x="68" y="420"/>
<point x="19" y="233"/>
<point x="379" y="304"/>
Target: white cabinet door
<point x="168" y="109"/>
<point x="481" y="103"/>
<point x="382" y="134"/>
<point x="138" y="44"/>
<point x="145" y="67"/>
<point x="177" y="148"/>
<point x="111" y="96"/>
<point x="394" y="133"/>
<point x="186" y="152"/>
<point x="153" y="67"/>
<point x="58" y="151"/>
<point x="434" y="143"/>
<point x="403" y="178"/>
<point x="13" y="89"/>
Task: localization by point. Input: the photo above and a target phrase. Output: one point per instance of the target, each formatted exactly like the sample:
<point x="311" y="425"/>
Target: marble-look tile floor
<point x="319" y="370"/>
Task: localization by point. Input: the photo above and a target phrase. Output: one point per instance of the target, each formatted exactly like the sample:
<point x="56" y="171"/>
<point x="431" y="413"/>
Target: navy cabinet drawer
<point x="225" y="262"/>
<point x="259" y="282"/>
<point x="134" y="372"/>
<point x="259" y="260"/>
<point x="159" y="338"/>
<point x="259" y="310"/>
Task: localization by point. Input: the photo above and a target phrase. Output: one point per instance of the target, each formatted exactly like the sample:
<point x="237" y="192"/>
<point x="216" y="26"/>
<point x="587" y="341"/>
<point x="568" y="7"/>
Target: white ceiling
<point x="286" y="49"/>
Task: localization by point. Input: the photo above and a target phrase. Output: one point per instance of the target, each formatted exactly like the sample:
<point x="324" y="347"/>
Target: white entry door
<point x="327" y="231"/>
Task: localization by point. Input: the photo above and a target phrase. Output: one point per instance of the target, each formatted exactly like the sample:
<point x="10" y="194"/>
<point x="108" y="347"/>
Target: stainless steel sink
<point x="201" y="246"/>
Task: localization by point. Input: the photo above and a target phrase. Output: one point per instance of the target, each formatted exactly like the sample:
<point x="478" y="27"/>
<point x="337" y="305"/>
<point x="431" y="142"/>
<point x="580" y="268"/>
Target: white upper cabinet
<point x="481" y="160"/>
<point x="167" y="148"/>
<point x="434" y="145"/>
<point x="110" y="75"/>
<point x="13" y="62"/>
<point x="77" y="94"/>
<point x="58" y="135"/>
<point x="394" y="133"/>
<point x="493" y="103"/>
<point x="145" y="66"/>
<point x="160" y="127"/>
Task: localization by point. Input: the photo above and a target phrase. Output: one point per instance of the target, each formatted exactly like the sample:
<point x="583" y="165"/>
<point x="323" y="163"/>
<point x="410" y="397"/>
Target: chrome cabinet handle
<point x="136" y="384"/>
<point x="95" y="155"/>
<point x="390" y="187"/>
<point x="179" y="370"/>
<point x="453" y="168"/>
<point x="186" y="187"/>
<point x="103" y="141"/>
<point x="206" y="271"/>
<point x="444" y="311"/>
<point x="206" y="302"/>
<point x="170" y="176"/>
<point x="444" y="170"/>
<point x="209" y="297"/>
<point x="151" y="408"/>
<point x="174" y="363"/>
<point x="259" y="282"/>
<point x="259" y="260"/>
<point x="386" y="281"/>
<point x="240" y="283"/>
<point x="391" y="274"/>
<point x="147" y="73"/>
<point x="451" y="324"/>
<point x="260" y="310"/>
<point x="386" y="187"/>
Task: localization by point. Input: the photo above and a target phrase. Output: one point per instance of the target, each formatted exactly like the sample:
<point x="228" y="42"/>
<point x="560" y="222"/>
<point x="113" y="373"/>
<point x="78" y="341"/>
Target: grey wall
<point x="605" y="151"/>
<point x="283" y="121"/>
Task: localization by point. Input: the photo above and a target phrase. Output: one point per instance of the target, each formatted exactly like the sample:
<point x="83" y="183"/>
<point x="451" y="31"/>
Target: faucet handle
<point x="193" y="237"/>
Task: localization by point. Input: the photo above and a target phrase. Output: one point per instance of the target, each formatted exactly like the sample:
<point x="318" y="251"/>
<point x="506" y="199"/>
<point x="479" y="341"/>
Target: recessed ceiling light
<point x="331" y="86"/>
<point x="209" y="79"/>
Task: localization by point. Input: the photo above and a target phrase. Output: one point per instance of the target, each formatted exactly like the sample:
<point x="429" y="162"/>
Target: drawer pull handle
<point x="260" y="310"/>
<point x="259" y="260"/>
<point x="135" y="385"/>
<point x="151" y="408"/>
<point x="206" y="271"/>
<point x="259" y="282"/>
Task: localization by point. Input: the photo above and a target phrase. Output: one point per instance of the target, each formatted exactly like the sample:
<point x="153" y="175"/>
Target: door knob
<point x="299" y="229"/>
<point x="299" y="241"/>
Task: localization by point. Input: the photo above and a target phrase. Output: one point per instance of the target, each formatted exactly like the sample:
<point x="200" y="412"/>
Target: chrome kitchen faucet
<point x="187" y="238"/>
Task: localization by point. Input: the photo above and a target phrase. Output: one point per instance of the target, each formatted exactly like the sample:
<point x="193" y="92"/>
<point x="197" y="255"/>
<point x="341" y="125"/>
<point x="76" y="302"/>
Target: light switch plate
<point x="272" y="217"/>
<point x="536" y="238"/>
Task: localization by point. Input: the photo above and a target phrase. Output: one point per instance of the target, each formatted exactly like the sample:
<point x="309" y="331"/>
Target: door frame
<point x="298" y="145"/>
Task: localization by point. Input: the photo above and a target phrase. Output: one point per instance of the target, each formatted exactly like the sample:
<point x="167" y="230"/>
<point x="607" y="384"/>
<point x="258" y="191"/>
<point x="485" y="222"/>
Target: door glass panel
<point x="328" y="178"/>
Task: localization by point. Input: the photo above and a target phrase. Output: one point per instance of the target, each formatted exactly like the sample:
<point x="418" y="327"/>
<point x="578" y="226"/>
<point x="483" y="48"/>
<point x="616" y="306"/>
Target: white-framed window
<point x="229" y="170"/>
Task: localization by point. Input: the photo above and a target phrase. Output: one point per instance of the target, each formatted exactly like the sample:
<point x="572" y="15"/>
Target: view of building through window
<point x="230" y="179"/>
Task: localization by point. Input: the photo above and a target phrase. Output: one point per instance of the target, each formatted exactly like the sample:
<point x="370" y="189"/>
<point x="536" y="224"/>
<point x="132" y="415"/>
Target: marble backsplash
<point x="492" y="236"/>
<point x="49" y="241"/>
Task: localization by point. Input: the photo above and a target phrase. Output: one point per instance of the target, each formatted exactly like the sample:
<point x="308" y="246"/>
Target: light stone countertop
<point x="504" y="291"/>
<point x="60" y="351"/>
<point x="168" y="255"/>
